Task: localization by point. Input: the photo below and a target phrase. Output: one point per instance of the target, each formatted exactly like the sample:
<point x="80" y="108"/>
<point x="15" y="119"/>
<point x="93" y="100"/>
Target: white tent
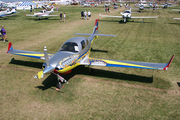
<point x="1" y="2"/>
<point x="26" y="5"/>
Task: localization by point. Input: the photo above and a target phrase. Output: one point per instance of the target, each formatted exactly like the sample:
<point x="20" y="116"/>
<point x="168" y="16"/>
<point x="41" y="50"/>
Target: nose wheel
<point x="60" y="81"/>
<point x="59" y="85"/>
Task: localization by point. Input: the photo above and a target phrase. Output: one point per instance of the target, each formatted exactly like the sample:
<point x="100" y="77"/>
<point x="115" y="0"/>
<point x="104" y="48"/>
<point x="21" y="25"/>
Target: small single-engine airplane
<point x="127" y="15"/>
<point x="142" y="7"/>
<point x="176" y="18"/>
<point x="176" y="10"/>
<point x="75" y="52"/>
<point x="43" y="13"/>
<point x="8" y="12"/>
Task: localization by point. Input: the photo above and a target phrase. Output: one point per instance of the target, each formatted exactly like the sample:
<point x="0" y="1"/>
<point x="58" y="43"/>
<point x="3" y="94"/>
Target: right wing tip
<point x="167" y="66"/>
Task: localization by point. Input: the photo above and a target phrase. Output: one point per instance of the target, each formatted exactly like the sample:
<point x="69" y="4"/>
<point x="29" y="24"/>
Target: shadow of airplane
<point x="178" y="83"/>
<point x="174" y="23"/>
<point x="96" y="50"/>
<point x="26" y="63"/>
<point x="41" y="19"/>
<point x="51" y="80"/>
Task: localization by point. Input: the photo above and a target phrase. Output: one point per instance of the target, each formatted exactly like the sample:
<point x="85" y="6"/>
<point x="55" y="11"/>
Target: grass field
<point x="111" y="93"/>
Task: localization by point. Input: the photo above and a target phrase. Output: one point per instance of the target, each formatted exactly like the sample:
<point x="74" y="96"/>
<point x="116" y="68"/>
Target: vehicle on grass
<point x="8" y="12"/>
<point x="127" y="15"/>
<point x="75" y="52"/>
<point x="43" y="13"/>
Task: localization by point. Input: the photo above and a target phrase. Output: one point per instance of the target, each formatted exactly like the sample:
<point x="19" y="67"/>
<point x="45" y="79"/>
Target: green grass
<point x="111" y="93"/>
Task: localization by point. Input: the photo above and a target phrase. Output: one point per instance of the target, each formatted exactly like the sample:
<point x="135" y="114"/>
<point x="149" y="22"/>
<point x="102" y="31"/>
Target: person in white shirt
<point x="85" y="14"/>
<point x="89" y="15"/>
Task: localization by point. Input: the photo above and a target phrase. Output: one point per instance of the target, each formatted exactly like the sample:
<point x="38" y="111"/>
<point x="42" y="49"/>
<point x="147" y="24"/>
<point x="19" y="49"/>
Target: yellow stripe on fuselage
<point x="68" y="68"/>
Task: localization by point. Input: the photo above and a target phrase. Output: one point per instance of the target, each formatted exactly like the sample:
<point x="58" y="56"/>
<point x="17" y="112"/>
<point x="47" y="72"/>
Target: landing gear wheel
<point x="59" y="85"/>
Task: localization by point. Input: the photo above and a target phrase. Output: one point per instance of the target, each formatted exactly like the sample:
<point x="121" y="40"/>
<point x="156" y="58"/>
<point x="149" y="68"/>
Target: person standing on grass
<point x="82" y="14"/>
<point x="89" y="15"/>
<point x="85" y="14"/>
<point x="3" y="32"/>
<point x="61" y="17"/>
<point x="65" y="19"/>
<point x="31" y="9"/>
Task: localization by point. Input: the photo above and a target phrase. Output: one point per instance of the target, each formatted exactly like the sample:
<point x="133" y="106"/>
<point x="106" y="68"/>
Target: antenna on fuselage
<point x="46" y="56"/>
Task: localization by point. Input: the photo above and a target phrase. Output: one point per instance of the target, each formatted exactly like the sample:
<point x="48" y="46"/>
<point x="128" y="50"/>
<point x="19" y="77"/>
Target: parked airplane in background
<point x="75" y="52"/>
<point x="176" y="10"/>
<point x="127" y="15"/>
<point x="176" y="18"/>
<point x="43" y="13"/>
<point x="8" y="12"/>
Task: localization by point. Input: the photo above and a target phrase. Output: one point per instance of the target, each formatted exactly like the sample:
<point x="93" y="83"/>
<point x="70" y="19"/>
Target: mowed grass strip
<point x="111" y="93"/>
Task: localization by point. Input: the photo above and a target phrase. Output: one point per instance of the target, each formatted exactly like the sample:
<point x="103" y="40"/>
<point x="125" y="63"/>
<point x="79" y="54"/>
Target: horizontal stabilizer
<point x="82" y="34"/>
<point x="104" y="35"/>
<point x="94" y="34"/>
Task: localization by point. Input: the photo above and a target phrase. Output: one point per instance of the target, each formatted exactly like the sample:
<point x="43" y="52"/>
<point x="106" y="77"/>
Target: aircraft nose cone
<point x="48" y="69"/>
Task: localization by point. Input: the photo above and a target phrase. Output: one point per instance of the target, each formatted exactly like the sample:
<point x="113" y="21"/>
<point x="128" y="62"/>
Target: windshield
<point x="41" y="11"/>
<point x="126" y="11"/>
<point x="70" y="46"/>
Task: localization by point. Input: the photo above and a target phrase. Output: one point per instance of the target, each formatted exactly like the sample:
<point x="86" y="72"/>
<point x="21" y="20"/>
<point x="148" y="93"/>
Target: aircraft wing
<point x="110" y="16"/>
<point x="176" y="18"/>
<point x="52" y="15"/>
<point x="175" y="9"/>
<point x="127" y="64"/>
<point x="144" y="16"/>
<point x="7" y="15"/>
<point x="29" y="15"/>
<point x="38" y="55"/>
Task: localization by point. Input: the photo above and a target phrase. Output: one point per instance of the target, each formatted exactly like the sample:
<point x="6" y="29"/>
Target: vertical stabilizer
<point x="95" y="31"/>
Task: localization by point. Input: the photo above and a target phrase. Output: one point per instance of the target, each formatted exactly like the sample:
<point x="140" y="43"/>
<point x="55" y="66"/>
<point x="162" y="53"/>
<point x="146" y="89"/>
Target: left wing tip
<point x="167" y="66"/>
<point x="9" y="46"/>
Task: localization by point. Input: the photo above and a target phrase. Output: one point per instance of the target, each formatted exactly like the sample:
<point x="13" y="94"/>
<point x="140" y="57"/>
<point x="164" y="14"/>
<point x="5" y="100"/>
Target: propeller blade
<point x="46" y="56"/>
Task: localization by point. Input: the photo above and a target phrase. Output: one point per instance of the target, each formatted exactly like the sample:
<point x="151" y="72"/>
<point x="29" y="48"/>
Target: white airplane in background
<point x="176" y="18"/>
<point x="176" y="10"/>
<point x="7" y="12"/>
<point x="43" y="13"/>
<point x="127" y="15"/>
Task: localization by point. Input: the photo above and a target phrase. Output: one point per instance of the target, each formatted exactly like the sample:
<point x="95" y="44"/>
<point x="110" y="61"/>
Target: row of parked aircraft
<point x="40" y="14"/>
